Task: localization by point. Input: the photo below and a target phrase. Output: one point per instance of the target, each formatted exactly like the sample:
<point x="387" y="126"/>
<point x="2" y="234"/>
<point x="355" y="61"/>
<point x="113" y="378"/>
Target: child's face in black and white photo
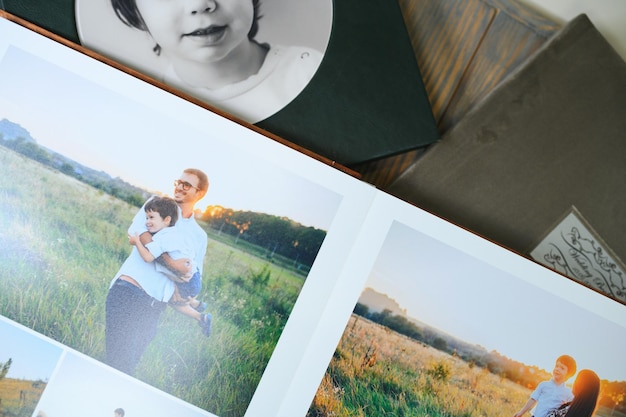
<point x="214" y="50"/>
<point x="198" y="30"/>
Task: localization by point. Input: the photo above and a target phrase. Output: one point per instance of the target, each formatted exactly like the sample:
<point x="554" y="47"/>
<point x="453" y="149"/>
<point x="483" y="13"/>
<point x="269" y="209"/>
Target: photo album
<point x="160" y="258"/>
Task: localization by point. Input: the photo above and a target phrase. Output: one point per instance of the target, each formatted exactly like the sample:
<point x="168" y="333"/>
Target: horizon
<point x="157" y="192"/>
<point x="60" y="115"/>
<point x="485" y="349"/>
<point x="430" y="280"/>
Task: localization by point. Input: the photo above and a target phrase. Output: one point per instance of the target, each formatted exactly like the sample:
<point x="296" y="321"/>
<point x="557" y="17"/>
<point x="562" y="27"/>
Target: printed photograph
<point x="27" y="362"/>
<point x="249" y="58"/>
<point x="140" y="241"/>
<point x="82" y="386"/>
<point x="437" y="332"/>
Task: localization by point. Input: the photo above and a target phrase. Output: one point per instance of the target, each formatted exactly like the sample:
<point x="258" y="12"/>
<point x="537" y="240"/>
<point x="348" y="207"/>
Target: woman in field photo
<point x="586" y="390"/>
<point x="427" y="337"/>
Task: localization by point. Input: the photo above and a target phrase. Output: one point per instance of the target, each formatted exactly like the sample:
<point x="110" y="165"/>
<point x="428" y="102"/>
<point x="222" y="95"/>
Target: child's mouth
<point x="212" y="33"/>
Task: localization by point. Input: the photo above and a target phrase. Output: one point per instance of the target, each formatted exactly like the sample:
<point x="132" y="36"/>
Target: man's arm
<point x="181" y="267"/>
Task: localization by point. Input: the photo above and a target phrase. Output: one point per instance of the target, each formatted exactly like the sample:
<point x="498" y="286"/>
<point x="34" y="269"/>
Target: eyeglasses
<point x="184" y="185"/>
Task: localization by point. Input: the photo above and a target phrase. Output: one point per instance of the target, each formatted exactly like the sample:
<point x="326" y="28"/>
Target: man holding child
<point x="139" y="292"/>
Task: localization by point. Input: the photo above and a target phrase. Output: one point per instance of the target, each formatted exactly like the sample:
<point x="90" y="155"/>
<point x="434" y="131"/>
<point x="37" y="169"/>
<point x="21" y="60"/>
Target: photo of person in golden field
<point x="437" y="331"/>
<point x="27" y="361"/>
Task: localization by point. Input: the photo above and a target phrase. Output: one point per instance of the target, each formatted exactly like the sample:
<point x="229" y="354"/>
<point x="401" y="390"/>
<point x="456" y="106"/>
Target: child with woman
<point x="551" y="394"/>
<point x="586" y="391"/>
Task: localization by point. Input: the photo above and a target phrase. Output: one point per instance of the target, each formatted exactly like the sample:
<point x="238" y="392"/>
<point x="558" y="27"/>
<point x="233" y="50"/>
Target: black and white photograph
<point x="249" y="58"/>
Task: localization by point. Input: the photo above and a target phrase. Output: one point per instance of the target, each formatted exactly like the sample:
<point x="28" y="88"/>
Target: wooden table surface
<point x="464" y="49"/>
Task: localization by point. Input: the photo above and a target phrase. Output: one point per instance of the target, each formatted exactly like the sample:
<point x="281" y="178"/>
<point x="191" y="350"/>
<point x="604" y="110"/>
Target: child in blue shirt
<point x="551" y="394"/>
<point x="161" y="215"/>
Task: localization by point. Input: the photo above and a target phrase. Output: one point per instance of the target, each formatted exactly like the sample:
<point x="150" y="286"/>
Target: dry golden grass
<point x="18" y="398"/>
<point x="376" y="371"/>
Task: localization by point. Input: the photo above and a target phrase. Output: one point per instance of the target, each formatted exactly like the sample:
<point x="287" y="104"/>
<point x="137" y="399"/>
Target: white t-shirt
<point x="194" y="239"/>
<point x="172" y="241"/>
<point x="549" y="396"/>
<point x="153" y="282"/>
<point x="285" y="72"/>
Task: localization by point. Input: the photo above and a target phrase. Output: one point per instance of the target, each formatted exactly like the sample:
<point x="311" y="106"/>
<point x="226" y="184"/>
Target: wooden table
<point x="464" y="49"/>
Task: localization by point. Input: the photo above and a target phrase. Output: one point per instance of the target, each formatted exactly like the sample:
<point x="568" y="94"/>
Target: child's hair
<point x="569" y="362"/>
<point x="119" y="411"/>
<point x="128" y="13"/>
<point x="165" y="206"/>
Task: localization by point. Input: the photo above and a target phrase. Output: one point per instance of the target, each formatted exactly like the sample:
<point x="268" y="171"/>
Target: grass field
<point x="378" y="372"/>
<point x="63" y="242"/>
<point x="18" y="397"/>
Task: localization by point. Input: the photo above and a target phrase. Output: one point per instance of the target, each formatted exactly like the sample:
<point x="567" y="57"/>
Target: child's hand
<point x="183" y="267"/>
<point x="134" y="239"/>
<point x="187" y="276"/>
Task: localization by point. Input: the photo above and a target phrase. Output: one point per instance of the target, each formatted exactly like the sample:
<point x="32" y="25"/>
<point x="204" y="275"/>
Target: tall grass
<point x="377" y="372"/>
<point x="62" y="243"/>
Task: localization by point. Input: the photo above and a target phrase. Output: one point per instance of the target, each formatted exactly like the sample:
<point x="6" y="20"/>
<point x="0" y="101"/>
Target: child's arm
<point x="143" y="251"/>
<point x="181" y="267"/>
<point x="529" y="404"/>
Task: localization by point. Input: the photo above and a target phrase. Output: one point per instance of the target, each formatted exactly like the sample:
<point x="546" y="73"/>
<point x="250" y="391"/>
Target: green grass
<point x="62" y="243"/>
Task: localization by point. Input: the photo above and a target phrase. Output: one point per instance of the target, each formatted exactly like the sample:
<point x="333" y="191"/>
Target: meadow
<point x="378" y="372"/>
<point x="18" y="397"/>
<point x="62" y="243"/>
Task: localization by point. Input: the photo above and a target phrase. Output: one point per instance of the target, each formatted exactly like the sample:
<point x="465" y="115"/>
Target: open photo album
<point x="158" y="258"/>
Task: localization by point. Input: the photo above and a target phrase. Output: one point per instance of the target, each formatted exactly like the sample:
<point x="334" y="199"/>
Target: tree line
<point x="4" y="368"/>
<point x="278" y="235"/>
<point x="97" y="179"/>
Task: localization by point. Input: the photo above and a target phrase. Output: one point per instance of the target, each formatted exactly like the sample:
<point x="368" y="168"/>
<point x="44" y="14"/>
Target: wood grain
<point x="464" y="49"/>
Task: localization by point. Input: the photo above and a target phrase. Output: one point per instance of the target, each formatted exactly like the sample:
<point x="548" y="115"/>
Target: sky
<point x="477" y="303"/>
<point x="33" y="358"/>
<point x="106" y="130"/>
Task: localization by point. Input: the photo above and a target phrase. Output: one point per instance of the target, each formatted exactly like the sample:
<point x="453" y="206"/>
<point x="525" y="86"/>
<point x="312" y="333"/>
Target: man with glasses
<point x="139" y="292"/>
